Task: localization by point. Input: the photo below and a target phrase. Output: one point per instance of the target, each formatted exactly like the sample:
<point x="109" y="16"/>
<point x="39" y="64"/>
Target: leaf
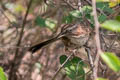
<point x="101" y="5"/>
<point x="102" y="0"/>
<point x="118" y="18"/>
<point x="77" y="60"/>
<point x="73" y="15"/>
<point x="113" y="3"/>
<point x="87" y="9"/>
<point x="111" y="60"/>
<point x="76" y="13"/>
<point x="112" y="25"/>
<point x="109" y="10"/>
<point x="75" y="72"/>
<point x="2" y="74"/>
<point x="38" y="65"/>
<point x="73" y="68"/>
<point x="101" y="79"/>
<point x="19" y="8"/>
<point x="104" y="7"/>
<point x="102" y="18"/>
<point x="62" y="60"/>
<point x="68" y="19"/>
<point x="40" y="21"/>
<point x="50" y="23"/>
<point x="45" y="22"/>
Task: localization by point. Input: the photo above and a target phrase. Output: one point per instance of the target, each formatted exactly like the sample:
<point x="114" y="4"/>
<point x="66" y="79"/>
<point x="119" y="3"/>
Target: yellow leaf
<point x="114" y="3"/>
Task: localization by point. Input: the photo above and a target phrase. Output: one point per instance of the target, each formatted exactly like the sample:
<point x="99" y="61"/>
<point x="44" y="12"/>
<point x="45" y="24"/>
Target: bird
<point x="72" y="35"/>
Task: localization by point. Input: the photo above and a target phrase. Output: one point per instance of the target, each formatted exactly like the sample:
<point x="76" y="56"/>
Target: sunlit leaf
<point x="102" y="0"/>
<point x="101" y="79"/>
<point x="76" y="13"/>
<point x="10" y="6"/>
<point x="111" y="60"/>
<point x="19" y="8"/>
<point x="87" y="9"/>
<point x="50" y="23"/>
<point x="38" y="65"/>
<point x="112" y="25"/>
<point x="75" y="72"/>
<point x="73" y="68"/>
<point x="2" y="74"/>
<point x="114" y="3"/>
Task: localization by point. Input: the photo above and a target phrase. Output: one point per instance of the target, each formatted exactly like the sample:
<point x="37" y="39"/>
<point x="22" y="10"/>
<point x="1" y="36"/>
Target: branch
<point x="62" y="66"/>
<point x="12" y="75"/>
<point x="97" y="39"/>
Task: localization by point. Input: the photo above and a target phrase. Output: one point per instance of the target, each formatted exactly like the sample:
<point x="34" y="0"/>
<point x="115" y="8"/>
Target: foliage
<point x="112" y="25"/>
<point x="45" y="22"/>
<point x="73" y="68"/>
<point x="2" y="74"/>
<point x="101" y="79"/>
<point x="111" y="60"/>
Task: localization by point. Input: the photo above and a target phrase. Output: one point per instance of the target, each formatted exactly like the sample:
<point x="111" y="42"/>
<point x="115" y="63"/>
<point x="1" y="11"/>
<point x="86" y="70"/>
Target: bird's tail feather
<point x="42" y="44"/>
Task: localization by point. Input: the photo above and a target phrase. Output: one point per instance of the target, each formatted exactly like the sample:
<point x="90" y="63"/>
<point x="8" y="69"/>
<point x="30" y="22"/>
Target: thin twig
<point x="56" y="73"/>
<point x="98" y="9"/>
<point x="69" y="5"/>
<point x="97" y="39"/>
<point x="12" y="46"/>
<point x="89" y="57"/>
<point x="12" y="75"/>
<point x="6" y="16"/>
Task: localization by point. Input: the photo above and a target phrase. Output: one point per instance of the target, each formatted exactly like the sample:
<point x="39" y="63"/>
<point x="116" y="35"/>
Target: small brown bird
<point x="73" y="36"/>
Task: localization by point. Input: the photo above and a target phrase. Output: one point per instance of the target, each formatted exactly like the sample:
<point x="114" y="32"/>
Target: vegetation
<point x="27" y="22"/>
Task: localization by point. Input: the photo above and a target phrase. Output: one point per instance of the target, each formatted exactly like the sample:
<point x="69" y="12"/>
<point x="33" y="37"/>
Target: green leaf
<point x="67" y="19"/>
<point x="73" y="15"/>
<point x="109" y="10"/>
<point x="19" y="8"/>
<point x="76" y="13"/>
<point x="102" y="0"/>
<point x="2" y="74"/>
<point x="104" y="6"/>
<point x="87" y="9"/>
<point x="75" y="72"/>
<point x="63" y="59"/>
<point x="111" y="60"/>
<point x="101" y="5"/>
<point x="112" y="25"/>
<point x="77" y="60"/>
<point x="101" y="79"/>
<point x="40" y="21"/>
<point x="49" y="23"/>
<point x="102" y="18"/>
<point x="73" y="68"/>
<point x="118" y="18"/>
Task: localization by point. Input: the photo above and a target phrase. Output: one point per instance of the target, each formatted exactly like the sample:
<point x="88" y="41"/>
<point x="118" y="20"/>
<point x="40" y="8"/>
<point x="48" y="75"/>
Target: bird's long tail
<point x="42" y="44"/>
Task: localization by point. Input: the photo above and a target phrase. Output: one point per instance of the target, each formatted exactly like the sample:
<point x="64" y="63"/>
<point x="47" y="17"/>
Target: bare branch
<point x="56" y="73"/>
<point x="13" y="70"/>
<point x="97" y="39"/>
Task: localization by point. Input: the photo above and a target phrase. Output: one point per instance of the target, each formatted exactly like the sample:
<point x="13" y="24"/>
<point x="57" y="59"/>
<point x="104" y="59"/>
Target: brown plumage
<point x="73" y="36"/>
